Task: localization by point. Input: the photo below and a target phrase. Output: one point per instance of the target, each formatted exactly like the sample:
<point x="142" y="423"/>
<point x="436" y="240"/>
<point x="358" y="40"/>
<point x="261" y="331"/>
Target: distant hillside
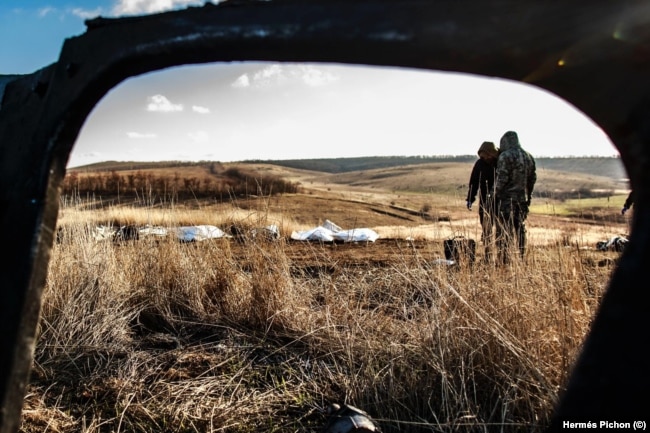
<point x="345" y="165"/>
<point x="610" y="167"/>
<point x="176" y="180"/>
<point x="135" y="165"/>
<point x="556" y="177"/>
<point x="601" y="166"/>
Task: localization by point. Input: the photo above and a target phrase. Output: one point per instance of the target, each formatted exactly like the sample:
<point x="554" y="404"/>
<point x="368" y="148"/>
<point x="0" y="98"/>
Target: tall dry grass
<point x="216" y="336"/>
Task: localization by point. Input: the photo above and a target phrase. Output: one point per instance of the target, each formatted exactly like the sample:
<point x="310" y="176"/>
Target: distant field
<point x="403" y="196"/>
<point x="446" y="175"/>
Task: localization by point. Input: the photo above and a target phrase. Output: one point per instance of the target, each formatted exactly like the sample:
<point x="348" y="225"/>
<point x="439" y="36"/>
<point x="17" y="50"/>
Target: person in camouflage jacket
<point x="515" y="181"/>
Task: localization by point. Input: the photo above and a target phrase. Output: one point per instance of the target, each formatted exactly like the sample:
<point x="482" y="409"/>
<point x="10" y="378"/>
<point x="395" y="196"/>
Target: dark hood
<point x="510" y="140"/>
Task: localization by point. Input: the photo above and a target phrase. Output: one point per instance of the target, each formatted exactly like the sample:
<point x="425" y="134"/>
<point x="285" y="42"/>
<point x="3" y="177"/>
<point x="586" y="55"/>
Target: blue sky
<point x="33" y="31"/>
<point x="237" y="111"/>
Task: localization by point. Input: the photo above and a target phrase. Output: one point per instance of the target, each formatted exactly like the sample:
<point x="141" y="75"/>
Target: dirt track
<point x="381" y="253"/>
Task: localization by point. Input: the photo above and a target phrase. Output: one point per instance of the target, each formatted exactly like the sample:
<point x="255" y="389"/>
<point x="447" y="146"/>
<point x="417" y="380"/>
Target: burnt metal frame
<point x="595" y="54"/>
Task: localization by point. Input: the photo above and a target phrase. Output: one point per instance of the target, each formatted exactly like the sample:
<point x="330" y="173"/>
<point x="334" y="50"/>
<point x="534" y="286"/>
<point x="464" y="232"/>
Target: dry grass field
<point x="251" y="335"/>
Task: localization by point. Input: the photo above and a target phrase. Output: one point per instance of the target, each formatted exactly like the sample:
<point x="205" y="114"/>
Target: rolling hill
<point x="446" y="175"/>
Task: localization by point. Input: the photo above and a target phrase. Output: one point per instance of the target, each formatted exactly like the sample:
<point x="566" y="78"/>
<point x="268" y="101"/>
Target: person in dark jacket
<point x="481" y="183"/>
<point x="513" y="189"/>
<point x="628" y="203"/>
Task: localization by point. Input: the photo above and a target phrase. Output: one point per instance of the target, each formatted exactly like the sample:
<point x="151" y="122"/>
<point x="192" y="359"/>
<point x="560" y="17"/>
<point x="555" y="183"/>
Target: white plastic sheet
<point x="330" y="232"/>
<point x="199" y="233"/>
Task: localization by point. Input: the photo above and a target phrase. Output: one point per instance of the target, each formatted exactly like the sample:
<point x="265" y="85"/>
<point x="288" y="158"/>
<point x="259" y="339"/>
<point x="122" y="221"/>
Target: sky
<point x="250" y="110"/>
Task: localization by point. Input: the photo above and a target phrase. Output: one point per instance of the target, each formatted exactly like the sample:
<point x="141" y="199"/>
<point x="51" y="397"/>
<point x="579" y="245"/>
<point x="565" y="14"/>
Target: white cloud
<point x="136" y="135"/>
<point x="91" y="155"/>
<point x="265" y="77"/>
<point x="138" y="7"/>
<point x="198" y="136"/>
<point x="314" y="76"/>
<point x="272" y="74"/>
<point x="86" y="13"/>
<point x="241" y="82"/>
<point x="42" y="12"/>
<point x="200" y="110"/>
<point x="161" y="103"/>
<point x="85" y="158"/>
<point x="276" y="75"/>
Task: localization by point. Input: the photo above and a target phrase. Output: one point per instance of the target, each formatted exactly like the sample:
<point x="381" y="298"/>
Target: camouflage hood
<point x="516" y="173"/>
<point x="509" y="141"/>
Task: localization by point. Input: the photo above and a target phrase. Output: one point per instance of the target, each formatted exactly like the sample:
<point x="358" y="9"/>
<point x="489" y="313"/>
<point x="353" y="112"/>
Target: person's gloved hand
<point x="528" y="201"/>
<point x="625" y="209"/>
<point x="469" y="205"/>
